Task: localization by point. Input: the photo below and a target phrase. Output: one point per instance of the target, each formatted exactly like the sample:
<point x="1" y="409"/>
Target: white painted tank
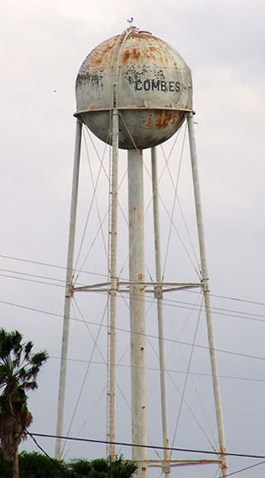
<point x="144" y="78"/>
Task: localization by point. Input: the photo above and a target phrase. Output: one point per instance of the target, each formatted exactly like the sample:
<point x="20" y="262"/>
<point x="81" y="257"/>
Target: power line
<point x="241" y="470"/>
<point x="28" y="274"/>
<point x="173" y="303"/>
<point x="215" y="310"/>
<point x="25" y="279"/>
<point x="169" y="370"/>
<point x="166" y="339"/>
<point x="56" y="266"/>
<point x="245" y="469"/>
<point x="167" y="302"/>
<point x="48" y="264"/>
<point x="52" y="460"/>
<point x="208" y="452"/>
<point x="150" y="447"/>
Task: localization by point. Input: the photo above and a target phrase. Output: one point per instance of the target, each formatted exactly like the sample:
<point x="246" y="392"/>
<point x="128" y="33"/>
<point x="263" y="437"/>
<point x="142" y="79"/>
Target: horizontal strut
<point x="152" y="287"/>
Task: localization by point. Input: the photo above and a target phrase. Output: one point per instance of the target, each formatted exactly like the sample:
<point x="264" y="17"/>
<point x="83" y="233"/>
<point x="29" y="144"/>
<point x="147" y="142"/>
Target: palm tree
<point x="19" y="368"/>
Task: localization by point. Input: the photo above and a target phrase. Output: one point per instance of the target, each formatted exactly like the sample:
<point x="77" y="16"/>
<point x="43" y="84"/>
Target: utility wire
<point x="171" y="370"/>
<point x="53" y="461"/>
<point x="169" y="302"/>
<point x="151" y="447"/>
<point x="33" y="435"/>
<point x="245" y="469"/>
<point x="56" y="266"/>
<point x="48" y="264"/>
<point x="167" y="339"/>
<point x="241" y="470"/>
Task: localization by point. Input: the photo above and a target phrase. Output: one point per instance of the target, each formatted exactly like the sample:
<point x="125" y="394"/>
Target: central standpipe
<point x="137" y="308"/>
<point x="111" y="433"/>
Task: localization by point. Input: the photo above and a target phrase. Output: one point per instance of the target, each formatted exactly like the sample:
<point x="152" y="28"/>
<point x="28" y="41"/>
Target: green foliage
<point x="103" y="468"/>
<point x="37" y="465"/>
<point x="122" y="468"/>
<point x="100" y="465"/>
<point x="81" y="467"/>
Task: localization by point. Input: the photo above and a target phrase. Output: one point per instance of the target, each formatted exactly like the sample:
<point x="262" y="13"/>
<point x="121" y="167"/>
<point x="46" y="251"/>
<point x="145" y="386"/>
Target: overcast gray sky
<point x="43" y="44"/>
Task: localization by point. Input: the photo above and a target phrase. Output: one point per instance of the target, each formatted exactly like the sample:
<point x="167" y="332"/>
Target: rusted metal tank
<point x="144" y="78"/>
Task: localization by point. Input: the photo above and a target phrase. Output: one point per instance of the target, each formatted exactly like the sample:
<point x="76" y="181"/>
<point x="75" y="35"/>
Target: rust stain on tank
<point x="164" y="119"/>
<point x="102" y="57"/>
<point x="148" y="119"/>
<point x="128" y="55"/>
<point x="150" y="53"/>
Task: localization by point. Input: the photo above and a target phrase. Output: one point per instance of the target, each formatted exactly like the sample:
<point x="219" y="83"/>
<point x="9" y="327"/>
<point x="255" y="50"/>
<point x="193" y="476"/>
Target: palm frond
<point x="19" y="368"/>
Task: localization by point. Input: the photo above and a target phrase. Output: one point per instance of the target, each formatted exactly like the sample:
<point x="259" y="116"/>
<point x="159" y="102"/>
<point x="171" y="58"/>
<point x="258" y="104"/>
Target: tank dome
<point x="144" y="78"/>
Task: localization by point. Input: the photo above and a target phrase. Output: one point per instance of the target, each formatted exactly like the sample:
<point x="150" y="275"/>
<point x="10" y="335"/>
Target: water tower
<point x="134" y="91"/>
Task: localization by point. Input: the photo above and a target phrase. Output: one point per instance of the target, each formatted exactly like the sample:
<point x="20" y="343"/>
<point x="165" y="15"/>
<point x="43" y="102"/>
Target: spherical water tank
<point x="144" y="78"/>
